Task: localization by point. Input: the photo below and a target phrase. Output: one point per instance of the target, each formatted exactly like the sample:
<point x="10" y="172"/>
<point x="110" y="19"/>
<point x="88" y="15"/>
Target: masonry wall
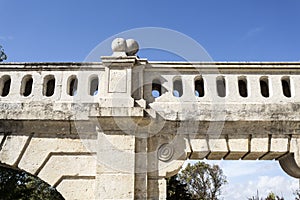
<point x="56" y="117"/>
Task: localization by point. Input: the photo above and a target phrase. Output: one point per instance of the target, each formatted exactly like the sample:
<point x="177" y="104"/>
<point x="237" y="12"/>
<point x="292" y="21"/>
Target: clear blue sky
<point x="256" y="30"/>
<point x="61" y="30"/>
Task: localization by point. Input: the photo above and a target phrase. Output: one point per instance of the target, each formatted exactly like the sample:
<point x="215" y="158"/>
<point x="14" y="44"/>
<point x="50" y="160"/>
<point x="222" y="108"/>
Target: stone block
<point x="113" y="161"/>
<point x="79" y="189"/>
<point x="117" y="81"/>
<point x="238" y="148"/>
<point x="279" y="147"/>
<point x="199" y="148"/>
<point x="40" y="148"/>
<point x="113" y="150"/>
<point x="259" y="146"/>
<point x="218" y="148"/>
<point x="69" y="165"/>
<point x="116" y="142"/>
<point x="157" y="188"/>
<point x="12" y="148"/>
<point x="115" y="186"/>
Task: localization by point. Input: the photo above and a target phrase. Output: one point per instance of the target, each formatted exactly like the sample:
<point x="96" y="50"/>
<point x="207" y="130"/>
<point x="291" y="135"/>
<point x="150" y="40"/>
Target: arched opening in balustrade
<point x="94" y="85"/>
<point x="199" y="87"/>
<point x="49" y="85"/>
<point x="286" y="86"/>
<point x="177" y="87"/>
<point x="26" y="85"/>
<point x="221" y="86"/>
<point x="264" y="86"/>
<point x="72" y="85"/>
<point x="242" y="85"/>
<point x="156" y="88"/>
<point x="5" y="83"/>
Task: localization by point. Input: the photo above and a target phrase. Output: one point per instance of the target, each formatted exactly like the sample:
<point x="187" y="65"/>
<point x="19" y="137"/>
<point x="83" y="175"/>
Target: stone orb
<point x="119" y="45"/>
<point x="132" y="47"/>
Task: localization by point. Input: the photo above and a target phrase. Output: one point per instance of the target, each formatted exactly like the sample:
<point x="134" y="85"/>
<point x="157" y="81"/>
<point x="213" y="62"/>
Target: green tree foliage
<point x="3" y="56"/>
<point x="176" y="190"/>
<point x="271" y="196"/>
<point x="16" y="184"/>
<point x="297" y="194"/>
<point x="203" y="181"/>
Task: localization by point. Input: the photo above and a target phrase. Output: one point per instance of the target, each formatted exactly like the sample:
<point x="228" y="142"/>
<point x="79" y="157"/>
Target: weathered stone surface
<point x="12" y="148"/>
<point x="115" y="186"/>
<point x="199" y="148"/>
<point x="78" y="188"/>
<point x="40" y="151"/>
<point x="119" y="142"/>
<point x="218" y="149"/>
<point x="68" y="165"/>
<point x="238" y="147"/>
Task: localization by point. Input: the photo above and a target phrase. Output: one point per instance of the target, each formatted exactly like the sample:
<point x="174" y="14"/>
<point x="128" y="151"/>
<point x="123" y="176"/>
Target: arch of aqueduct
<point x="95" y="131"/>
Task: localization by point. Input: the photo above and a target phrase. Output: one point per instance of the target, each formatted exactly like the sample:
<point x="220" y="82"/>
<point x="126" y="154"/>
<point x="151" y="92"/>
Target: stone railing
<point x="232" y="81"/>
<point x="237" y="83"/>
<point x="201" y="82"/>
<point x="49" y="81"/>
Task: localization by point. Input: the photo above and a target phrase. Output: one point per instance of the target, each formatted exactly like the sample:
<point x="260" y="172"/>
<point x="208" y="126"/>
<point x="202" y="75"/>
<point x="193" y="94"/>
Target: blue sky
<point x="61" y="30"/>
<point x="247" y="177"/>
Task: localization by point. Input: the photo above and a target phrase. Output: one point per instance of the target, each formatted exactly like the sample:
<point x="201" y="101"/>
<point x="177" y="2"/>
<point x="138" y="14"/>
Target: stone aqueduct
<point x="95" y="131"/>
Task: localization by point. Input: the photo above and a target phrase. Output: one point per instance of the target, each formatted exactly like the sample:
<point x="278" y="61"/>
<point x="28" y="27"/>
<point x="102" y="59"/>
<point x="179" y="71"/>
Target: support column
<point x="166" y="155"/>
<point x="115" y="166"/>
<point x="140" y="180"/>
<point x="157" y="188"/>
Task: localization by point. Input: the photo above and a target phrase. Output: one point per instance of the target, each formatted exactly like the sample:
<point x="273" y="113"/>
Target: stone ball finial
<point x="119" y="45"/>
<point x="132" y="47"/>
<point x="122" y="47"/>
